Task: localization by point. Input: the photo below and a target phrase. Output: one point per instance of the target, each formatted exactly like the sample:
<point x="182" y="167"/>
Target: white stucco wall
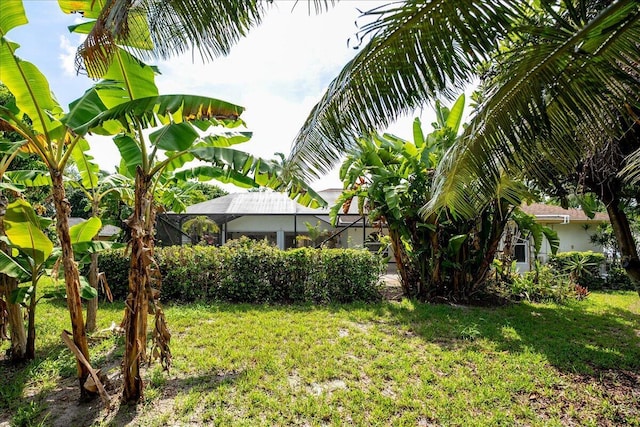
<point x="573" y="237"/>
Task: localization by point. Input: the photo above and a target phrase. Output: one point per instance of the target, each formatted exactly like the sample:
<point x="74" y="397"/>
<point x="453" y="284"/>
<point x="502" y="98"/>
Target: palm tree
<point x="560" y="83"/>
<point x="199" y="227"/>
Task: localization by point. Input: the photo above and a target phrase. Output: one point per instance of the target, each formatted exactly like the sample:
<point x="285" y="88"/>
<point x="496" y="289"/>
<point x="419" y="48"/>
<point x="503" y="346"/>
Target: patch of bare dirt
<point x="391" y="289"/>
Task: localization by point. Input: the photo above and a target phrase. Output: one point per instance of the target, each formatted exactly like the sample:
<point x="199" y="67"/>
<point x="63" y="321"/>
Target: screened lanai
<point x="267" y="215"/>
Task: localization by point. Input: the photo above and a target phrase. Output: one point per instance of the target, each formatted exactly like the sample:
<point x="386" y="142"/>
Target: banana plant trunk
<point x="92" y="304"/>
<point x="137" y="307"/>
<point x="31" y="329"/>
<point x="18" y="349"/>
<point x="401" y="262"/>
<point x="72" y="278"/>
<point x="499" y="221"/>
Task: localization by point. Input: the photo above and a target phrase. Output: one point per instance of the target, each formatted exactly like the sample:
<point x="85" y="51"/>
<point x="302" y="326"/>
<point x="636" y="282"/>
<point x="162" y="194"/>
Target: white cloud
<point x="67" y="56"/>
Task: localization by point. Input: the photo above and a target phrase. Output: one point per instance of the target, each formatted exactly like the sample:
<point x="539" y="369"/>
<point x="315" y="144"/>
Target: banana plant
<point x="528" y="227"/>
<point x="14" y="318"/>
<point x="150" y="158"/>
<point x="391" y="178"/>
<point x="96" y="186"/>
<point x="53" y="142"/>
<point x="33" y="256"/>
<point x="157" y="137"/>
<point x="440" y="255"/>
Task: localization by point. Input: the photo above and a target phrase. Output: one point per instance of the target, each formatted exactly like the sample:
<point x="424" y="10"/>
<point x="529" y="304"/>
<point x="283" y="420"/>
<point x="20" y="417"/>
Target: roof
<point x="107" y="230"/>
<point x="274" y="203"/>
<point x="553" y="213"/>
<point x="265" y="202"/>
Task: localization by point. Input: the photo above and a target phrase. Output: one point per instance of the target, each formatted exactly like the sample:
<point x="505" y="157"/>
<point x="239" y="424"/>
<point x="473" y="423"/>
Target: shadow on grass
<point x="58" y="403"/>
<point x="169" y="390"/>
<point x="570" y="337"/>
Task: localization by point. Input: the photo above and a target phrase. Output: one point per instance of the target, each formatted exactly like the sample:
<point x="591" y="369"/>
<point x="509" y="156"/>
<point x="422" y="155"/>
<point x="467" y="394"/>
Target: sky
<point x="278" y="72"/>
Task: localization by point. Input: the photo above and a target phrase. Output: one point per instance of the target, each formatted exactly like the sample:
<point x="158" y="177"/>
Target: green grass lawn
<point x="385" y="364"/>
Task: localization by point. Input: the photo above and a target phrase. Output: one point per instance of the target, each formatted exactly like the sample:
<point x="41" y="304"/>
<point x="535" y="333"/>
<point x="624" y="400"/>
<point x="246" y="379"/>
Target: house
<point x="107" y="232"/>
<point x="275" y="217"/>
<point x="573" y="226"/>
<point x="268" y="215"/>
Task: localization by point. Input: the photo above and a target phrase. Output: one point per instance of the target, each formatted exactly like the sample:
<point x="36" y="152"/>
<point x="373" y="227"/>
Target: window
<point x="520" y="252"/>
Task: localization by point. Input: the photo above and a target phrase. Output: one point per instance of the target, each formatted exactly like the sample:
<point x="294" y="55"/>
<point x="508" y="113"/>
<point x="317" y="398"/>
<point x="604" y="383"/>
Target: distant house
<point x="107" y="232"/>
<point x="275" y="217"/>
<point x="267" y="215"/>
<point x="573" y="226"/>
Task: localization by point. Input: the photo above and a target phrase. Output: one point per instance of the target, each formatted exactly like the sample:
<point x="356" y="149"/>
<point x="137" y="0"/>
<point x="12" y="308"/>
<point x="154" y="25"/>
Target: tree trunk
<point x="14" y="311"/>
<point x="402" y="263"/>
<point x="31" y="330"/>
<point x="18" y="349"/>
<point x="436" y="276"/>
<point x="626" y="242"/>
<point x="72" y="278"/>
<point x="137" y="307"/>
<point x="499" y="222"/>
<point x="92" y="304"/>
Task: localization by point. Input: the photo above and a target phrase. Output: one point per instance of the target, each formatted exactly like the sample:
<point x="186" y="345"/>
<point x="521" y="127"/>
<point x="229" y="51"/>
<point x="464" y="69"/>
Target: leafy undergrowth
<point x="394" y="363"/>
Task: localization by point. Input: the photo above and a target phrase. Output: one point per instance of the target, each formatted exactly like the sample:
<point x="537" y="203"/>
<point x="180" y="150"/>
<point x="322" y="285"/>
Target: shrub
<point x="618" y="279"/>
<point x="256" y="272"/>
<point x="188" y="272"/>
<point x="582" y="267"/>
<point x="545" y="285"/>
<point x="348" y="274"/>
<point x="116" y="269"/>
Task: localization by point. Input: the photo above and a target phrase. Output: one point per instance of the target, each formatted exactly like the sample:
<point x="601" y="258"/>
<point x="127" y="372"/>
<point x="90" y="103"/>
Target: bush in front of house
<point x="583" y="268"/>
<point x="256" y="272"/>
<point x="543" y="284"/>
<point x="182" y="266"/>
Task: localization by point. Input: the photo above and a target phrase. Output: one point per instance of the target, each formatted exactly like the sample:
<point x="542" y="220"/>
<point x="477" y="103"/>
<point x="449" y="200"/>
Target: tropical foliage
<point x="169" y="28"/>
<point x="200" y="229"/>
<point x="442" y="256"/>
<point x="125" y="103"/>
<point x="47" y="136"/>
<point x="559" y="87"/>
<point x="96" y="186"/>
<point x="157" y="136"/>
<point x="34" y="256"/>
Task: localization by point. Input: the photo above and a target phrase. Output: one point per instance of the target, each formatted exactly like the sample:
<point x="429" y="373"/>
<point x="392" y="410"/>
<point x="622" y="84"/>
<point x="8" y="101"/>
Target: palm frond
<point x="418" y="51"/>
<point x="553" y="99"/>
<point x="631" y="171"/>
<point x="210" y="27"/>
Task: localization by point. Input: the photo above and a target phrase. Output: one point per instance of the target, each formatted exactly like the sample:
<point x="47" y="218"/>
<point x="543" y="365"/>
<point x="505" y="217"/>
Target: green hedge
<point x="255" y="272"/>
<point x="617" y="279"/>
<point x="585" y="265"/>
